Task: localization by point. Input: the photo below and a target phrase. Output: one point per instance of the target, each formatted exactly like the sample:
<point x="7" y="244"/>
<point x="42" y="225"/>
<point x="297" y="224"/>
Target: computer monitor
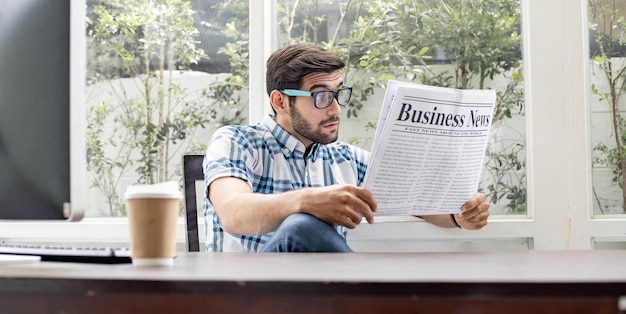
<point x="42" y="115"/>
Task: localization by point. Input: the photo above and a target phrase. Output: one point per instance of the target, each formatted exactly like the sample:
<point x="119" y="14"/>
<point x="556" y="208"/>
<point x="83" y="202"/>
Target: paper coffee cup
<point x="152" y="215"/>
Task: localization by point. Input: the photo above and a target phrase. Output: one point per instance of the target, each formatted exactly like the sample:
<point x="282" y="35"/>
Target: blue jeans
<point x="306" y="233"/>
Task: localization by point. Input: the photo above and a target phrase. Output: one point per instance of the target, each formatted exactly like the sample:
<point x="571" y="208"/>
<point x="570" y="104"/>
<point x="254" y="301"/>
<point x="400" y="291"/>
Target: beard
<point x="305" y="129"/>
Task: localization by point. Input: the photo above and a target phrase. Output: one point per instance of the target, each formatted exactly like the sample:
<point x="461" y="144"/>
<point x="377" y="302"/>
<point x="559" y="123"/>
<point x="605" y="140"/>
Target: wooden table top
<point x="471" y="267"/>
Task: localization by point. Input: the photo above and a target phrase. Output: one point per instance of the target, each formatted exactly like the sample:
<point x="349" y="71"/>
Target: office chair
<point x="192" y="172"/>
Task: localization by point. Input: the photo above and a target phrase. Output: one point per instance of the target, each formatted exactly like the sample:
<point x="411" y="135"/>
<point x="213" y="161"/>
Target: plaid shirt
<point x="272" y="161"/>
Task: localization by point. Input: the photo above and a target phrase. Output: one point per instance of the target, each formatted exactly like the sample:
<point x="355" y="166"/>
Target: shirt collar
<point x="287" y="141"/>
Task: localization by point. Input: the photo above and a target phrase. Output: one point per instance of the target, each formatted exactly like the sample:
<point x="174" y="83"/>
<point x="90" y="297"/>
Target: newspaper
<point x="429" y="148"/>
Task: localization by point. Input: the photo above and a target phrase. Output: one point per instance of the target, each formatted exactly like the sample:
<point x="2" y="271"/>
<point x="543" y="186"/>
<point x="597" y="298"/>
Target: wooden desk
<point x="500" y="282"/>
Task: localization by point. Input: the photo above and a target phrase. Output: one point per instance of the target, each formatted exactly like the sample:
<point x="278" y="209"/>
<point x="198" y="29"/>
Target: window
<point x="161" y="78"/>
<point x="434" y="43"/>
<point x="607" y="52"/>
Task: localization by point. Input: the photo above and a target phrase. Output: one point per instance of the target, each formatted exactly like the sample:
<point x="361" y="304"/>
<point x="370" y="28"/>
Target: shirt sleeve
<point x="227" y="155"/>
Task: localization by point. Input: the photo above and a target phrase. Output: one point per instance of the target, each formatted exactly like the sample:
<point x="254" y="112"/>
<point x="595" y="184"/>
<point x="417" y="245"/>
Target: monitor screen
<point x="42" y="120"/>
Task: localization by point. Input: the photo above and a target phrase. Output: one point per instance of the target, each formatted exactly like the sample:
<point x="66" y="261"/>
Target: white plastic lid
<point x="167" y="189"/>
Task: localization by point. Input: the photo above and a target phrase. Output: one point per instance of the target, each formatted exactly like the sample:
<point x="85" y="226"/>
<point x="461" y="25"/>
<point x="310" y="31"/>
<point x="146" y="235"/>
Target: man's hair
<point x="287" y="66"/>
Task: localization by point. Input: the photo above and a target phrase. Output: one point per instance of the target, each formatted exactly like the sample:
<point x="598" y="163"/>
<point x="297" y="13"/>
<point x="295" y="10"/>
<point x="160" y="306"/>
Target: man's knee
<point x="300" y="223"/>
<point x="306" y="233"/>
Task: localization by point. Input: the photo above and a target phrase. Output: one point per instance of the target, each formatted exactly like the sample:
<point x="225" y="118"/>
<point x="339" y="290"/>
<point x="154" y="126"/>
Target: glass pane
<point x="608" y="126"/>
<point x="460" y="44"/>
<point x="162" y="76"/>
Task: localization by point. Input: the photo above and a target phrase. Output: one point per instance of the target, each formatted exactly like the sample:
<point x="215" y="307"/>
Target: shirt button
<point x="286" y="151"/>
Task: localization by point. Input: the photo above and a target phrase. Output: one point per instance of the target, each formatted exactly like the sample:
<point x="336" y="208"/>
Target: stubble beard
<point x="305" y="129"/>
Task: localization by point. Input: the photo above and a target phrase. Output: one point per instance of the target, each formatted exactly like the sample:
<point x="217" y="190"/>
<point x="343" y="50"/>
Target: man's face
<point x="312" y="125"/>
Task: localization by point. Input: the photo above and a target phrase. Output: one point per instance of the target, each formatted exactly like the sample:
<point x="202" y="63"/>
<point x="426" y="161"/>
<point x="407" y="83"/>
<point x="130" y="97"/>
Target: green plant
<point x="227" y="94"/>
<point x="609" y="27"/>
<point x="137" y="51"/>
<point x="505" y="165"/>
<point x="480" y="37"/>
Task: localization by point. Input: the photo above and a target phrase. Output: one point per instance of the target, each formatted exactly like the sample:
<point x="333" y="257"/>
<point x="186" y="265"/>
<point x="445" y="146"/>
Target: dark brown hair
<point x="287" y="66"/>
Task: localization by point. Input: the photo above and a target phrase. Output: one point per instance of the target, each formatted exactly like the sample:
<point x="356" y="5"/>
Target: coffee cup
<point x="152" y="215"/>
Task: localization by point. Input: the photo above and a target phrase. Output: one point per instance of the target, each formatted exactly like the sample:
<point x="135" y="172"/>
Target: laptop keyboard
<point x="70" y="254"/>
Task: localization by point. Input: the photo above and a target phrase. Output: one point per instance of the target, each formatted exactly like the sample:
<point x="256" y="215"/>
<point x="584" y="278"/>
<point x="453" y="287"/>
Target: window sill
<point x="107" y="232"/>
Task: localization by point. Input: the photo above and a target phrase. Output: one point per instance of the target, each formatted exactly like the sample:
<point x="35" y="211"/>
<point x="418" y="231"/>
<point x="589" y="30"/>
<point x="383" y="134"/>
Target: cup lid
<point x="167" y="189"/>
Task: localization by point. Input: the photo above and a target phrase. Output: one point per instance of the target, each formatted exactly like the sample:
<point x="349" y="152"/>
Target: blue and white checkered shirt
<point x="272" y="161"/>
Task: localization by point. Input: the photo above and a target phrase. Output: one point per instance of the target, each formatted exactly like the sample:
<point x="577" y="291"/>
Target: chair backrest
<point x="192" y="172"/>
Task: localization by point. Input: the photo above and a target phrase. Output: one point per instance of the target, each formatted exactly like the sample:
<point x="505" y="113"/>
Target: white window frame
<point x="556" y="82"/>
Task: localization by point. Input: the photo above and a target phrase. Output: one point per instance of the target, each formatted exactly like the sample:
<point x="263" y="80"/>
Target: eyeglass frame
<point x="298" y="92"/>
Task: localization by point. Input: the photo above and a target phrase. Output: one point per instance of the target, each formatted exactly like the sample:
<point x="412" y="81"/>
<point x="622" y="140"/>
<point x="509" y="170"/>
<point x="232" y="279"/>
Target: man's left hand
<point x="474" y="213"/>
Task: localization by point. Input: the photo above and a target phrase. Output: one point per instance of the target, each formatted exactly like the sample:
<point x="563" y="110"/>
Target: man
<point x="287" y="184"/>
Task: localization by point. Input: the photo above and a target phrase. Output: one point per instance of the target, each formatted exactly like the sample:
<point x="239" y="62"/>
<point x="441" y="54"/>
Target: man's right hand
<point x="243" y="212"/>
<point x="339" y="205"/>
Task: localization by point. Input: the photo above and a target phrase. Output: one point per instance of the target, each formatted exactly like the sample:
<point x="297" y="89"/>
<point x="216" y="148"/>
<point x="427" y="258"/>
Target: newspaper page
<point x="429" y="148"/>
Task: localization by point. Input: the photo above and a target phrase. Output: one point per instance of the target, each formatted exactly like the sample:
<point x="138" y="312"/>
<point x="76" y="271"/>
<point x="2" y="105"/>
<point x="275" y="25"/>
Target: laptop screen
<point x="42" y="167"/>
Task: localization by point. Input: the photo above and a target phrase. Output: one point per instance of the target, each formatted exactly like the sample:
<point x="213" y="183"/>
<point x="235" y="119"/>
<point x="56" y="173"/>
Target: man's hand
<point x="339" y="205"/>
<point x="474" y="213"/>
<point x="244" y="212"/>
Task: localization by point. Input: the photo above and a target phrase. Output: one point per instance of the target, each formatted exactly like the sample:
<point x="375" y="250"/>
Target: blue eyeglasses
<point x="323" y="99"/>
